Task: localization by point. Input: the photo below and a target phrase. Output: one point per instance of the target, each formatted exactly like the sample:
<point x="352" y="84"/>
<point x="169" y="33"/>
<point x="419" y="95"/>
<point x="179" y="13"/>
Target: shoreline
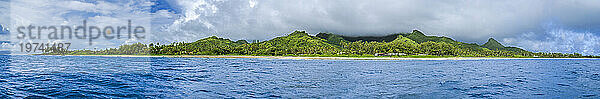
<point x="315" y="58"/>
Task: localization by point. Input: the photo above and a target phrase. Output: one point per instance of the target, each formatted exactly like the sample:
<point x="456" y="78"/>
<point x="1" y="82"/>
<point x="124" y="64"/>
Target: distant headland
<point x="300" y="44"/>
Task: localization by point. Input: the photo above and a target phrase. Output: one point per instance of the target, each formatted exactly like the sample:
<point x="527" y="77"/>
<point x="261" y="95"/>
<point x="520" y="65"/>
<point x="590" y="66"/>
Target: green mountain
<point x="402" y="45"/>
<point x="332" y="38"/>
<point x="298" y="42"/>
<point x="207" y="46"/>
<point x="464" y="48"/>
<point x="419" y="37"/>
<point x="493" y="44"/>
<point x="326" y="44"/>
<point x="241" y="42"/>
<point x="386" y="38"/>
<point x="416" y="36"/>
<point x="514" y="49"/>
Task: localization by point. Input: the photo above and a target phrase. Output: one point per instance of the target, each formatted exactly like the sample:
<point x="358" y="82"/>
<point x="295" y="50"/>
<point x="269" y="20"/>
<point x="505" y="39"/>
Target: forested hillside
<point x="300" y="43"/>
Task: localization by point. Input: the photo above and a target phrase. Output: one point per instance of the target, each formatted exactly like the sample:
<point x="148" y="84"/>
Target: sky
<point x="566" y="26"/>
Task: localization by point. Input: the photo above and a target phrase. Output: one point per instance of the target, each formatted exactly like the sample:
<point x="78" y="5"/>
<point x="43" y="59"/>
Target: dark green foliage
<point x="514" y="49"/>
<point x="419" y="37"/>
<point x="402" y="45"/>
<point x="299" y="43"/>
<point x="435" y="48"/>
<point x="133" y="49"/>
<point x="493" y="44"/>
<point x="372" y="38"/>
<point x="332" y="38"/>
<point x="208" y="46"/>
<point x="241" y="42"/>
<point x="296" y="43"/>
<point x="418" y="33"/>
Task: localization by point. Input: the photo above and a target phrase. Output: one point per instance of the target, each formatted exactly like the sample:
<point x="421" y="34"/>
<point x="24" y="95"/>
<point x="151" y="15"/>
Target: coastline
<point x="315" y="58"/>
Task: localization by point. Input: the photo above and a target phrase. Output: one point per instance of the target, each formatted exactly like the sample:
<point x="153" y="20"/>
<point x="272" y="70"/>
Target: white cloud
<point x="469" y="21"/>
<point x="252" y="3"/>
<point x="72" y="13"/>
<point x="560" y="40"/>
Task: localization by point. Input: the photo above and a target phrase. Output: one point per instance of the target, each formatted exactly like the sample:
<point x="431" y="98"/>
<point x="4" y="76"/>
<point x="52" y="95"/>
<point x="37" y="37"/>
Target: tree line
<point x="299" y="43"/>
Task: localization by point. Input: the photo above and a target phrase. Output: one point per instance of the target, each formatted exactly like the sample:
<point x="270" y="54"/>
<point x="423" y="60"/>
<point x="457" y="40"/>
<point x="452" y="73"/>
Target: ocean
<point x="29" y="76"/>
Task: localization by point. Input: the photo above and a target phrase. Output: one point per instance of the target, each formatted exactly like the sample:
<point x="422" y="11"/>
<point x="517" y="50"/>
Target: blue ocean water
<point x="23" y="76"/>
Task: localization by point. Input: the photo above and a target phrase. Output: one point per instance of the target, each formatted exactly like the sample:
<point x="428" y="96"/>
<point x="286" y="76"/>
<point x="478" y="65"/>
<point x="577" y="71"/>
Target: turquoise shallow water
<point x="153" y="77"/>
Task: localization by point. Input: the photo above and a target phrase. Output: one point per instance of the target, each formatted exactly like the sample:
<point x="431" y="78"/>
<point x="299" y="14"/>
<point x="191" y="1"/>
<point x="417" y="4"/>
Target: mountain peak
<point x="241" y="41"/>
<point x="492" y="39"/>
<point x="300" y="33"/>
<point x="417" y="32"/>
<point x="493" y="44"/>
<point x="212" y="38"/>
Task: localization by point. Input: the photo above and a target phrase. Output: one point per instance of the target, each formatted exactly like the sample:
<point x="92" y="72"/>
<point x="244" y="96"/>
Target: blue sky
<point x="537" y="25"/>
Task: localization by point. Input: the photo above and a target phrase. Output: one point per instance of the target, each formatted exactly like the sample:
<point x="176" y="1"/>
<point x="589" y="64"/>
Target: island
<point x="300" y="44"/>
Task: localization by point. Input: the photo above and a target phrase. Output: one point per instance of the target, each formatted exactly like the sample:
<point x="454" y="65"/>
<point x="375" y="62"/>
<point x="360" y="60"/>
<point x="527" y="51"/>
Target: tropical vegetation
<point x="300" y="43"/>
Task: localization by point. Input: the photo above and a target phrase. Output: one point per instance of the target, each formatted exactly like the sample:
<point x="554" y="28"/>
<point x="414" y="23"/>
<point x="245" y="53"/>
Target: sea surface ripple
<point x="26" y="76"/>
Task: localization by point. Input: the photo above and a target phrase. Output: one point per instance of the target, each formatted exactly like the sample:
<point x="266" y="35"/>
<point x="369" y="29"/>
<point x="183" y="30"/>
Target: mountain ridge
<point x="492" y="44"/>
<point x="419" y="37"/>
<point x="300" y="43"/>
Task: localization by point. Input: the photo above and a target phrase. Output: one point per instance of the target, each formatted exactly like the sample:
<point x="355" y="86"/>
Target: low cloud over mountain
<point x="536" y="25"/>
